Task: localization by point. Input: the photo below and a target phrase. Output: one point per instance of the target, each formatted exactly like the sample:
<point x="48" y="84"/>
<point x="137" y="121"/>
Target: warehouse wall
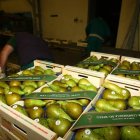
<point x="125" y="24"/>
<point x="58" y="20"/>
<point x="13" y="6"/>
<point x="63" y="19"/>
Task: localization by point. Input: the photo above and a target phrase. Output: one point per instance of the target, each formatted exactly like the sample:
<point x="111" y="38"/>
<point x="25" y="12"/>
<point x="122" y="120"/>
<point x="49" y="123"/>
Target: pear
<point x="110" y="94"/>
<point x="34" y="102"/>
<point x="49" y="72"/>
<point x="112" y="86"/>
<point x="42" y="121"/>
<point x="26" y="73"/>
<point x="73" y="109"/>
<point x="2" y="98"/>
<point x="55" y="111"/>
<point x="107" y="67"/>
<point x="31" y="83"/>
<point x="3" y="84"/>
<point x="130" y="133"/>
<point x="134" y="101"/>
<point x="104" y="105"/>
<point x="17" y="90"/>
<point x="104" y="70"/>
<point x="59" y="126"/>
<point x="135" y="66"/>
<point x="84" y="102"/>
<point x="87" y="134"/>
<point x="12" y="98"/>
<point x="120" y="104"/>
<point x="46" y="89"/>
<point x="76" y="88"/>
<point x="71" y="83"/>
<point x="109" y="133"/>
<point x="28" y="89"/>
<point x="40" y="83"/>
<point x="96" y="67"/>
<point x="38" y="72"/>
<point x="35" y="112"/>
<point x="14" y="83"/>
<point x="20" y="109"/>
<point x="125" y="93"/>
<point x="2" y="90"/>
<point x="39" y="68"/>
<point x="84" y="81"/>
<point x="126" y="63"/>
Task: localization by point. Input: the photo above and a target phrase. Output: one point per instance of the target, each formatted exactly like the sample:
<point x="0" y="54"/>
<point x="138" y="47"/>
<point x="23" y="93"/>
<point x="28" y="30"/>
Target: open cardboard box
<point x="126" y="80"/>
<point x="16" y="126"/>
<point x="134" y="90"/>
<point x="100" y="55"/>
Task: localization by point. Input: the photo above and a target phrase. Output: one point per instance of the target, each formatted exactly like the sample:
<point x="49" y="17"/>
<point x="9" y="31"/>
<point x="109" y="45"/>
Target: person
<point x="27" y="47"/>
<point x="97" y="32"/>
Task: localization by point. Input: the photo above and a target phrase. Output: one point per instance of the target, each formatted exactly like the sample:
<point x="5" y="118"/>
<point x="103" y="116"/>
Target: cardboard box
<point x="134" y="90"/>
<point x="15" y="126"/>
<point x="95" y="67"/>
<point x="126" y="80"/>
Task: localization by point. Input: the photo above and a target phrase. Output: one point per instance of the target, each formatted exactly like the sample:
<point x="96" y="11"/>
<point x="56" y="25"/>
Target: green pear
<point x="12" y="98"/>
<point x="39" y="68"/>
<point x="73" y="109"/>
<point x="109" y="133"/>
<point x="3" y="84"/>
<point x="28" y="89"/>
<point x="134" y="102"/>
<point x="87" y="134"/>
<point x="40" y="83"/>
<point x="2" y="98"/>
<point x="55" y="111"/>
<point x="110" y="94"/>
<point x="17" y="90"/>
<point x="130" y="133"/>
<point x="42" y="121"/>
<point x="46" y="89"/>
<point x="76" y="88"/>
<point x="20" y="109"/>
<point x="34" y="102"/>
<point x="71" y="83"/>
<point x="31" y="83"/>
<point x="2" y="90"/>
<point x="49" y="72"/>
<point x="59" y="126"/>
<point x="14" y="83"/>
<point x="27" y="73"/>
<point x="104" y="70"/>
<point x="35" y="112"/>
<point x="84" y="102"/>
<point x="104" y="106"/>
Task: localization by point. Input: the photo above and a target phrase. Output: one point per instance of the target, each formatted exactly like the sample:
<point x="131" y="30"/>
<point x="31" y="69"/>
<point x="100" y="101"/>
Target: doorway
<point x="109" y="10"/>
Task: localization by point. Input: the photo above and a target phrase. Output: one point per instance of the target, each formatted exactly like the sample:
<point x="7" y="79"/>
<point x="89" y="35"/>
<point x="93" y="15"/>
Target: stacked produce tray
<point x="128" y="71"/>
<point x="113" y="116"/>
<point x="15" y="125"/>
<point x="29" y="126"/>
<point x="99" y="63"/>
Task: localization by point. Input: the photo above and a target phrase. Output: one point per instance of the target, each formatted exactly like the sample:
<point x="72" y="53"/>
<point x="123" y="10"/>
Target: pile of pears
<point x="130" y="66"/>
<point x="116" y="98"/>
<point x="68" y="83"/>
<point x="57" y="115"/>
<point x="108" y="133"/>
<point x="101" y="67"/>
<point x="11" y="91"/>
<point x="36" y="70"/>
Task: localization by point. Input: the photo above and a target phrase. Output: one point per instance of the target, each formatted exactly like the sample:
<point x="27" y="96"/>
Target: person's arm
<point x="4" y="54"/>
